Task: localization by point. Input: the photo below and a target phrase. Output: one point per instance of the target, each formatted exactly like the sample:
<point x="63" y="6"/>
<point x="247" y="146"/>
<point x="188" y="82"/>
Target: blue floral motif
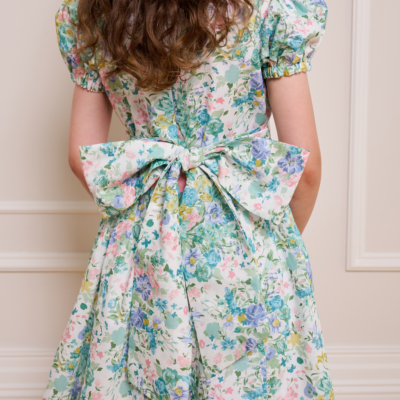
<point x="161" y="304"/>
<point x="191" y="258"/>
<point x="161" y="386"/>
<point x="170" y="377"/>
<point x="292" y="163"/>
<point x="173" y="132"/>
<point x="119" y="201"/>
<point x="319" y="2"/>
<point x="317" y="340"/>
<point x="76" y="389"/>
<point x="256" y="80"/>
<point x="203" y="116"/>
<point x="254" y="314"/>
<point x="232" y="305"/>
<point x="304" y="292"/>
<point x="179" y="393"/>
<point x="214" y="126"/>
<point x="214" y="214"/>
<point x="130" y="181"/>
<point x="173" y="175"/>
<point x="270" y="353"/>
<point x="228" y="343"/>
<point x="137" y="318"/>
<point x="203" y="272"/>
<point x="213" y="257"/>
<point x="259" y="149"/>
<point x="274" y="323"/>
<point x="275" y="302"/>
<point x="273" y="184"/>
<point x="112" y="303"/>
<point x="204" y="139"/>
<point x="250" y="344"/>
<point x="190" y="197"/>
<point x="309" y="390"/>
<point x="309" y="270"/>
<point x="143" y="286"/>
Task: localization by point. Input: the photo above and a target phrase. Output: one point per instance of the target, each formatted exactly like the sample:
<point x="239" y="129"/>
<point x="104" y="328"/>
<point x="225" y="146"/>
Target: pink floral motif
<point x="298" y="325"/>
<point x="217" y="358"/>
<point x="183" y="361"/>
<point x="93" y="273"/>
<point x="171" y="240"/>
<point x="173" y="294"/>
<point x="193" y="218"/>
<point x="278" y="200"/>
<point x="79" y="73"/>
<point x="194" y="292"/>
<point x="66" y="335"/>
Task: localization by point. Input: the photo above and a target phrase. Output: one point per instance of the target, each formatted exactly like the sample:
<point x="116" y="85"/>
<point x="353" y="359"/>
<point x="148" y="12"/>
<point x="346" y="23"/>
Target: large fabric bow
<point x="255" y="176"/>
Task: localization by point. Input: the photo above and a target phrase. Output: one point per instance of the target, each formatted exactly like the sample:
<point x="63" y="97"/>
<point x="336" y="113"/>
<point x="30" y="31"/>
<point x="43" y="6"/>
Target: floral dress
<point x="205" y="294"/>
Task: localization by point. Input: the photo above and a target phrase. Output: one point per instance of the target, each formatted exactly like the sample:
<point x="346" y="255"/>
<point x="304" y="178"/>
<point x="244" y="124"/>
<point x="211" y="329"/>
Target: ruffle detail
<point x="285" y="69"/>
<point x="81" y="68"/>
<point x="290" y="33"/>
<point x="89" y="83"/>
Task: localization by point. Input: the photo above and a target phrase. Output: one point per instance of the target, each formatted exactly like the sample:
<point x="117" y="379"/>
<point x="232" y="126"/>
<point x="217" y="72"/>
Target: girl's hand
<point x="291" y="105"/>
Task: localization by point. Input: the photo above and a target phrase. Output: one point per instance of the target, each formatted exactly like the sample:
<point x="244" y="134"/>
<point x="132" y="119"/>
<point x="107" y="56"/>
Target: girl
<point x="198" y="285"/>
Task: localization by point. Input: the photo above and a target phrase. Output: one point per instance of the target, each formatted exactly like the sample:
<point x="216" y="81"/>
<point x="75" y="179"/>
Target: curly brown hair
<point x="157" y="40"/>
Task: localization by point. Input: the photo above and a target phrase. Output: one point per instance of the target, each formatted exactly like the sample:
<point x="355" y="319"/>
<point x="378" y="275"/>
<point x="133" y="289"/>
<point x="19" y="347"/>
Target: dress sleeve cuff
<point x="285" y="69"/>
<point x="90" y="81"/>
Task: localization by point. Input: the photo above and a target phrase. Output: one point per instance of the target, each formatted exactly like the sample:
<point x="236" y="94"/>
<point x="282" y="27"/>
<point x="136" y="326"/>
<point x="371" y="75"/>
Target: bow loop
<point x="118" y="173"/>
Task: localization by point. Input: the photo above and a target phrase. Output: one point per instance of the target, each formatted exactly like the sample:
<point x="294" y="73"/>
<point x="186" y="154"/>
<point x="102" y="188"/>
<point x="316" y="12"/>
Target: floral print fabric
<point x="206" y="294"/>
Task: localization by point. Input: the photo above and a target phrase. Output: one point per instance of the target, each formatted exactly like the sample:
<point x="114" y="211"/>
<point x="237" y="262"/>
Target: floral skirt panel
<point x="191" y="296"/>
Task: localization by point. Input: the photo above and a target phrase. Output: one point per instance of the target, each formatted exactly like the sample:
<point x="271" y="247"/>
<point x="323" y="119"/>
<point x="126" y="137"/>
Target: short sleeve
<point x="290" y="31"/>
<point x="82" y="69"/>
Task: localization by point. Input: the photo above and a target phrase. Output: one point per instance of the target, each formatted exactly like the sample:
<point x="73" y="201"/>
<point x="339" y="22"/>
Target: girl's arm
<point x="90" y="123"/>
<point x="291" y="105"/>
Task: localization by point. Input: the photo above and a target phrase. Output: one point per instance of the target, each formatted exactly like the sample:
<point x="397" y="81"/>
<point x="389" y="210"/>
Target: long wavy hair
<point x="157" y="40"/>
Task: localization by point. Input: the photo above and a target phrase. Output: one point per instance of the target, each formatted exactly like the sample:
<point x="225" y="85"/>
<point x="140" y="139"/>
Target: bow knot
<point x="191" y="157"/>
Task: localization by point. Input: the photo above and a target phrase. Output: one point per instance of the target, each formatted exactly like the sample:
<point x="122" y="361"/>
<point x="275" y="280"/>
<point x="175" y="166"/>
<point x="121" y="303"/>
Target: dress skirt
<point x="91" y="361"/>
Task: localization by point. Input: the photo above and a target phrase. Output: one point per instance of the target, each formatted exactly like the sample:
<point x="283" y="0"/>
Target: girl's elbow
<point x="312" y="175"/>
<point x="74" y="164"/>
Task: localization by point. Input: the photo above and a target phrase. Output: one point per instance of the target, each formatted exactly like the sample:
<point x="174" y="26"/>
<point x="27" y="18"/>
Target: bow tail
<point x="244" y="225"/>
<point x="224" y="296"/>
<point x="159" y="301"/>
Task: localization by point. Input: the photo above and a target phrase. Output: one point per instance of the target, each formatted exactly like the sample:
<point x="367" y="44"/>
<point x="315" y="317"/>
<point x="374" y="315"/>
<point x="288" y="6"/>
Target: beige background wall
<point x="48" y="223"/>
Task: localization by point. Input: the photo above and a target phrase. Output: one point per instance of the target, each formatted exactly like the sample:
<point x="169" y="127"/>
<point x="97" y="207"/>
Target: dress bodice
<point x="227" y="95"/>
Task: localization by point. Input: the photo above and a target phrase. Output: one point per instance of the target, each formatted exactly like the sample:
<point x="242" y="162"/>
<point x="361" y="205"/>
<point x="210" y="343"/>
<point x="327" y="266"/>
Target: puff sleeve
<point x="290" y="31"/>
<point x="81" y="68"/>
